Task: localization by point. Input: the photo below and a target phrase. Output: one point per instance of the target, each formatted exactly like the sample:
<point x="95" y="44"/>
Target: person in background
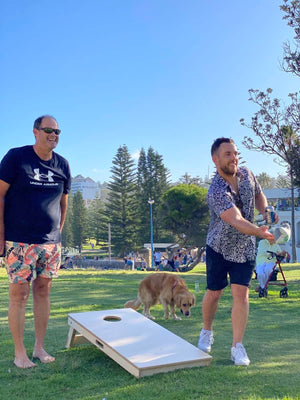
<point x="157" y="257"/>
<point x="265" y="261"/>
<point x="129" y="264"/>
<point x="267" y="252"/>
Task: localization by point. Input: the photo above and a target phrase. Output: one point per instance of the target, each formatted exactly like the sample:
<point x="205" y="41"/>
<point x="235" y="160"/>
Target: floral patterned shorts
<point x="25" y="262"/>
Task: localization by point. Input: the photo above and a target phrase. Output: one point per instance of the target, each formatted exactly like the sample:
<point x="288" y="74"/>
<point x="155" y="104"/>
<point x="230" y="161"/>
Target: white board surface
<point x="137" y="343"/>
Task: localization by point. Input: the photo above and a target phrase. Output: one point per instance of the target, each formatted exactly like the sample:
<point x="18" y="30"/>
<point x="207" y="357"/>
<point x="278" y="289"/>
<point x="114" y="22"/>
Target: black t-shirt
<point x="32" y="203"/>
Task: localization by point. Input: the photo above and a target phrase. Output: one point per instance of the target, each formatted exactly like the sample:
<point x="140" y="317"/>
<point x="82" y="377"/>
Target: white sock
<point x="205" y="330"/>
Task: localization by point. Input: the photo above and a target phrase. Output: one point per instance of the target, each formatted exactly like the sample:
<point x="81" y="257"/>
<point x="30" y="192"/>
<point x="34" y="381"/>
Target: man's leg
<point x="209" y="307"/>
<point x="41" y="309"/>
<point x="18" y="295"/>
<point x="240" y="311"/>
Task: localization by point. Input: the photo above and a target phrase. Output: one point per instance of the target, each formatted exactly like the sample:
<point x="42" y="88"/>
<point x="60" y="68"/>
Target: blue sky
<point x="169" y="74"/>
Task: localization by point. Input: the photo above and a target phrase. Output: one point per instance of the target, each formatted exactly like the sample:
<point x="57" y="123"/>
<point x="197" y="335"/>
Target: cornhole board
<point x="136" y="343"/>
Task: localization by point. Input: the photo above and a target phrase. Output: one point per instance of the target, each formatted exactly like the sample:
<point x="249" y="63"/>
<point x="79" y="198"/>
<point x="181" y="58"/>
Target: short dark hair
<point x="217" y="143"/>
<point x="38" y="122"/>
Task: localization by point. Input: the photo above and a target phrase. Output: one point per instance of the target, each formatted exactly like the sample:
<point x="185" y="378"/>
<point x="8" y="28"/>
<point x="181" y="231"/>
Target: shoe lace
<point x="208" y="336"/>
<point x="240" y="349"/>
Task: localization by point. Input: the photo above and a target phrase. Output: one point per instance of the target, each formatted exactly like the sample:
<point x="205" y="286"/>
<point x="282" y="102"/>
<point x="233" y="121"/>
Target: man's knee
<point x="19" y="293"/>
<point x="240" y="293"/>
<point x="41" y="287"/>
<point x="213" y="295"/>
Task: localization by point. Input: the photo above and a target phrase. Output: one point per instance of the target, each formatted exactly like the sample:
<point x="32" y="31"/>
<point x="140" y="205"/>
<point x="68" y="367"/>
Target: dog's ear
<point x="179" y="299"/>
<point x="193" y="301"/>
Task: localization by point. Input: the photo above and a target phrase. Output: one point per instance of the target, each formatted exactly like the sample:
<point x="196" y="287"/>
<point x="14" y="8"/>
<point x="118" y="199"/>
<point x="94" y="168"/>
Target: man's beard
<point x="228" y="171"/>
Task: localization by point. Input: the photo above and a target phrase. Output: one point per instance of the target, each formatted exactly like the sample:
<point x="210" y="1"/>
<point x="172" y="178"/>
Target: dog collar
<point x="174" y="286"/>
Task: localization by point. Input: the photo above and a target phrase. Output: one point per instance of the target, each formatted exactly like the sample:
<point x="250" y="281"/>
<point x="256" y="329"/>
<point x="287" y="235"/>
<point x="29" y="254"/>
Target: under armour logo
<point x="38" y="176"/>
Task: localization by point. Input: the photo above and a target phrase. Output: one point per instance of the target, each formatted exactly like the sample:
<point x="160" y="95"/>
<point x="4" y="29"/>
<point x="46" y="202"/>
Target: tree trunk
<point x="195" y="262"/>
<point x="294" y="251"/>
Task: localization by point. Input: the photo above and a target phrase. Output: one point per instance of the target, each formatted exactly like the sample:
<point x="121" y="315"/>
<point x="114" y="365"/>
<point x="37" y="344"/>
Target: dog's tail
<point x="134" y="304"/>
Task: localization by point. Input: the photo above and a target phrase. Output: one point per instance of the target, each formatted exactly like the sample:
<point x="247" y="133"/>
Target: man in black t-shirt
<point x="34" y="186"/>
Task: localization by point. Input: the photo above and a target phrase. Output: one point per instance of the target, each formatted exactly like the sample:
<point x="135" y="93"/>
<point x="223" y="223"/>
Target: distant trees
<point x="97" y="221"/>
<point x="127" y="208"/>
<point x="79" y="221"/>
<point x="268" y="182"/>
<point x="283" y="181"/>
<point x="67" y="233"/>
<point x="185" y="213"/>
<point x="121" y="202"/>
<point x="124" y="206"/>
<point x="265" y="181"/>
<point x="196" y="180"/>
<point x="152" y="182"/>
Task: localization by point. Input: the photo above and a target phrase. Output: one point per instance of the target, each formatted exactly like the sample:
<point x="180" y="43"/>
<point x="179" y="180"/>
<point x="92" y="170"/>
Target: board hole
<point x="112" y="318"/>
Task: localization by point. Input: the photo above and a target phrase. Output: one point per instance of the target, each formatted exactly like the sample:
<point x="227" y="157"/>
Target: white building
<point x="88" y="188"/>
<point x="280" y="199"/>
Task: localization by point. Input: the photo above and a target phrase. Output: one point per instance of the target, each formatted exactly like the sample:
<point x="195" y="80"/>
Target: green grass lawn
<point x="272" y="341"/>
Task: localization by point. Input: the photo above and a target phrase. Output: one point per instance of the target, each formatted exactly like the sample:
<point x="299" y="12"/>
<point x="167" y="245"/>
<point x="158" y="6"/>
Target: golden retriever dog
<point x="166" y="289"/>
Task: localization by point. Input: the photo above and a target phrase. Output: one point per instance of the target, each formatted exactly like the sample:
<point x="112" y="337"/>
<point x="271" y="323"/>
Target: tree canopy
<point x="79" y="223"/>
<point x="185" y="213"/>
<point x="275" y="126"/>
<point x="152" y="182"/>
<point x="291" y="53"/>
<point x="121" y="205"/>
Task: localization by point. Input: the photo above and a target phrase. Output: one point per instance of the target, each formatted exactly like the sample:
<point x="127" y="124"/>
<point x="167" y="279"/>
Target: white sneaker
<point x="239" y="355"/>
<point x="205" y="341"/>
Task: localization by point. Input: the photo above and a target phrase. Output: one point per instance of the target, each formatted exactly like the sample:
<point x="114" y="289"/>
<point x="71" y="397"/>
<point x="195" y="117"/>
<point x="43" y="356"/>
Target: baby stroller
<point x="263" y="292"/>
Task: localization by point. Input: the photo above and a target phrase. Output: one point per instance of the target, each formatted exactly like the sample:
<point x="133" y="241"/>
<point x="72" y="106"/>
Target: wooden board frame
<point x="139" y="345"/>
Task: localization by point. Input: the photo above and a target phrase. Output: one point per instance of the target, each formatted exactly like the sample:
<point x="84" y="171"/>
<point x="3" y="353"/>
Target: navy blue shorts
<point x="217" y="270"/>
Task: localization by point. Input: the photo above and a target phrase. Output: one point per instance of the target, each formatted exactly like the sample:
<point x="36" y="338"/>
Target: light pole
<point x="151" y="230"/>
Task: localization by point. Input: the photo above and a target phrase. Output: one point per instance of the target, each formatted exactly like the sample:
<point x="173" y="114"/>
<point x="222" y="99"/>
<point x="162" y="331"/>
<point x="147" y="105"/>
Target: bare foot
<point x="43" y="356"/>
<point x="23" y="362"/>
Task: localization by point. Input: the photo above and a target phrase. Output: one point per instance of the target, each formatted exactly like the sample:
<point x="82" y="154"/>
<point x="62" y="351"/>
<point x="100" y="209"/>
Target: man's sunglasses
<point x="50" y="130"/>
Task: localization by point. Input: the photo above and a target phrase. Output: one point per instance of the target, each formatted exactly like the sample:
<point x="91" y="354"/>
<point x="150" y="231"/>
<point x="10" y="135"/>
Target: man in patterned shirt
<point x="230" y="250"/>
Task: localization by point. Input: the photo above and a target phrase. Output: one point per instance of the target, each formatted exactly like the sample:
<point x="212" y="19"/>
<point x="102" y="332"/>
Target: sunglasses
<point x="50" y="130"/>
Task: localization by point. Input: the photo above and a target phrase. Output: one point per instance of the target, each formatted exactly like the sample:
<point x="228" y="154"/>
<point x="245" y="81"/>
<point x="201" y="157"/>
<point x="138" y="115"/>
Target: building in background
<point x="87" y="187"/>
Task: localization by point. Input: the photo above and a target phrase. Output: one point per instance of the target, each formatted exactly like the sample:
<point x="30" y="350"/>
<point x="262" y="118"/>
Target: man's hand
<point x="276" y="217"/>
<point x="264" y="233"/>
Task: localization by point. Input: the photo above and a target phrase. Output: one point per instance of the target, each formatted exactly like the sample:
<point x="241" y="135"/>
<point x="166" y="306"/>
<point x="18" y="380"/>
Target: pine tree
<point x="121" y="206"/>
<point x="152" y="180"/>
<point x="67" y="234"/>
<point x="144" y="192"/>
<point x="97" y="221"/>
<point x="79" y="221"/>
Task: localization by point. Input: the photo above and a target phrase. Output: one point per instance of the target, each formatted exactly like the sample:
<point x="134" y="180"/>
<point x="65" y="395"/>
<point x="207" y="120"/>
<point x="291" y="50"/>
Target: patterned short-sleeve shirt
<point x="222" y="237"/>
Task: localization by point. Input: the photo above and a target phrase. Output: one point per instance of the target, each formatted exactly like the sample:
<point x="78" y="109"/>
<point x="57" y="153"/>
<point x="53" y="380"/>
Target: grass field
<point x="272" y="341"/>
